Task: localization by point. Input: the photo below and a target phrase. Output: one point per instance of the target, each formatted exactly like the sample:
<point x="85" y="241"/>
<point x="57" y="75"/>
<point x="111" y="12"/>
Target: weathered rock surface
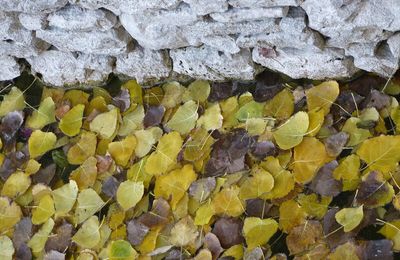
<point x="82" y="41"/>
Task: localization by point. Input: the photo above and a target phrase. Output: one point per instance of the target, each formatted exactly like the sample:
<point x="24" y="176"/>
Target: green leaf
<point x="291" y="133"/>
<point x="13" y="101"/>
<point x="251" y="109"/>
<point x="71" y="122"/>
<point x="129" y="193"/>
<point x="184" y="118"/>
<point x="349" y="218"/>
<point x="46" y="114"/>
<point x="89" y="202"/>
<point x="88" y="235"/>
<point x="258" y="231"/>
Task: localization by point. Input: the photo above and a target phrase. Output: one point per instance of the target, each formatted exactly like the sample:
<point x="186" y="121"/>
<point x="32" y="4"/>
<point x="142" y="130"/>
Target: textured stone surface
<point x="82" y="41"/>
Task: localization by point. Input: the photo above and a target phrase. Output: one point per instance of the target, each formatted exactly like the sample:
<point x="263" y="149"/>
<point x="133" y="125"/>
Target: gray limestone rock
<point x="32" y="6"/>
<point x="33" y="21"/>
<point x="111" y="42"/>
<point x="9" y="68"/>
<point x="221" y="43"/>
<point x="248" y="14"/>
<point x="263" y="3"/>
<point x="203" y="7"/>
<point x="74" y="18"/>
<point x="324" y="64"/>
<point x="208" y="63"/>
<point x="144" y="64"/>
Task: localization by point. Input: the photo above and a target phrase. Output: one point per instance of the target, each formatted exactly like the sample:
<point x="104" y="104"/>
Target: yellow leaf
<point x="229" y="107"/>
<point x="227" y="202"/>
<point x="291" y="133"/>
<point x="291" y="215"/>
<point x="38" y="241"/>
<point x="43" y="211"/>
<point x="313" y="205"/>
<point x="199" y="90"/>
<point x="40" y="143"/>
<point x="235" y="251"/>
<point x="204" y="214"/>
<point x="135" y="91"/>
<point x="211" y="119"/>
<point x="184" y="118"/>
<point x="258" y="231"/>
<point x="174" y="184"/>
<point x="184" y="232"/>
<point x="280" y="106"/>
<point x="16" y="185"/>
<point x="89" y="202"/>
<point x="123" y="150"/>
<point x="43" y="116"/>
<point x="13" y="101"/>
<point x="348" y="171"/>
<point x="316" y="117"/>
<point x="83" y="149"/>
<point x="198" y="145"/>
<point x="137" y="172"/>
<point x="309" y="156"/>
<point x="121" y="250"/>
<point x="347" y="251"/>
<point x="322" y="96"/>
<point x="105" y="124"/>
<point x="357" y="135"/>
<point x="10" y="214"/>
<point x="132" y="121"/>
<point x="349" y="218"/>
<point x="391" y="230"/>
<point x="129" y="193"/>
<point x="173" y="92"/>
<point x="71" y="122"/>
<point x="149" y="242"/>
<point x="88" y="235"/>
<point x="65" y="197"/>
<point x="283" y="179"/>
<point x="32" y="167"/>
<point x="6" y="248"/>
<point x="260" y="183"/>
<point x="385" y="154"/>
<point x="86" y="174"/>
<point x="146" y="139"/>
<point x="165" y="155"/>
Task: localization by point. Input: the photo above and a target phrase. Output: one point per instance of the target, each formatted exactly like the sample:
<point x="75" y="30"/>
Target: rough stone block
<point x="74" y="18"/>
<point x="32" y="6"/>
<point x="240" y="15"/>
<point x="263" y="3"/>
<point x="9" y="68"/>
<point x="33" y="21"/>
<point x="208" y="63"/>
<point x="144" y="64"/>
<point x="203" y="7"/>
<point x="325" y="64"/>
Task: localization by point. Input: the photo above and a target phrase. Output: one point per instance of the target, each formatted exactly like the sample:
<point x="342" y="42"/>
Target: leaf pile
<point x="223" y="171"/>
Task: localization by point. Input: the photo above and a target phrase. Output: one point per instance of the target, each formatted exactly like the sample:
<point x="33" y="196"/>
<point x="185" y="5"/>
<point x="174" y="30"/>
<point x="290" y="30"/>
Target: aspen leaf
<point x="204" y="214"/>
<point x="316" y="117"/>
<point x="347" y="251"/>
<point x="258" y="231"/>
<point x="252" y="109"/>
<point x="291" y="214"/>
<point x="391" y="230"/>
<point x="314" y="206"/>
<point x="291" y="133"/>
<point x="86" y="174"/>
<point x="146" y="139"/>
<point x="211" y="119"/>
<point x="65" y="197"/>
<point x="83" y="149"/>
<point x="38" y="241"/>
<point x="227" y="202"/>
<point x="89" y="202"/>
<point x="281" y="106"/>
<point x="199" y="90"/>
<point x="260" y="183"/>
<point x="283" y="179"/>
<point x="129" y="193"/>
<point x="132" y="121"/>
<point x="121" y="250"/>
<point x="10" y="214"/>
<point x="165" y="155"/>
<point x="184" y="232"/>
<point x="44" y="210"/>
<point x="174" y="184"/>
<point x="385" y="153"/>
<point x="40" y="143"/>
<point x="357" y="135"/>
<point x="349" y="218"/>
<point x="43" y="116"/>
<point x="13" y="101"/>
<point x="322" y="95"/>
<point x="122" y="151"/>
<point x="309" y="156"/>
<point x="88" y="236"/>
<point x="135" y="91"/>
<point x="173" y="92"/>
<point x="76" y="97"/>
<point x="184" y="118"/>
<point x="349" y="172"/>
<point x="198" y="145"/>
<point x="6" y="248"/>
<point x="71" y="122"/>
<point x="105" y="124"/>
<point x="16" y="185"/>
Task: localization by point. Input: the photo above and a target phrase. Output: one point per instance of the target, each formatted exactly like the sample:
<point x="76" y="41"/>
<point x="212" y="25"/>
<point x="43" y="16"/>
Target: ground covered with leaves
<point x="261" y="170"/>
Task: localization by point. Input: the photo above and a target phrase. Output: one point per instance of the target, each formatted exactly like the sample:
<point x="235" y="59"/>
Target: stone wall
<point x="82" y="41"/>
